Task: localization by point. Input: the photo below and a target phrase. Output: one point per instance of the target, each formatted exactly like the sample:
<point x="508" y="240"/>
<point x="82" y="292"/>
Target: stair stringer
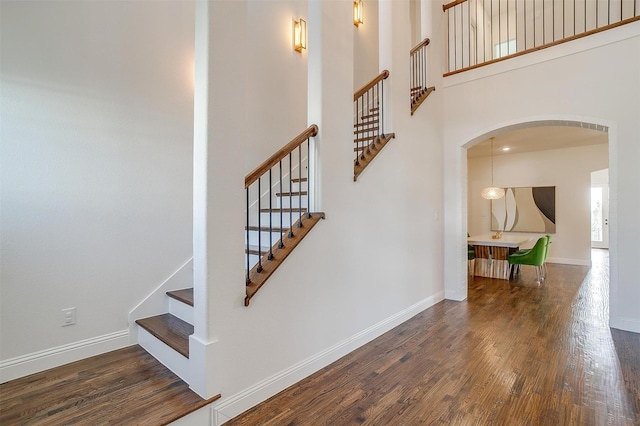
<point x="157" y="301"/>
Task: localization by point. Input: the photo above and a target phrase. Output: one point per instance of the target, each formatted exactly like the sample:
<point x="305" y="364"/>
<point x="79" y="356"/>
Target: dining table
<point x="492" y="253"/>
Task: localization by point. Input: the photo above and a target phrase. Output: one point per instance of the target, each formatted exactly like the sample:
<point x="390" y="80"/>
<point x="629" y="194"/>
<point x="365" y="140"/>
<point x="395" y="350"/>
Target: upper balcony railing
<point x="481" y="32"/>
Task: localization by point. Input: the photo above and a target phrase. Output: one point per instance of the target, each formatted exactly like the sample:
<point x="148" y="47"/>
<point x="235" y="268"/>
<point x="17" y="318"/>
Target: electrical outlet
<point x="68" y="316"/>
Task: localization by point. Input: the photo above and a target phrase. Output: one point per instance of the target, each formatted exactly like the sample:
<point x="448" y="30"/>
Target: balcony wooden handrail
<point x="452" y="4"/>
<point x="279" y="155"/>
<point x="383" y="75"/>
<point x="424" y="42"/>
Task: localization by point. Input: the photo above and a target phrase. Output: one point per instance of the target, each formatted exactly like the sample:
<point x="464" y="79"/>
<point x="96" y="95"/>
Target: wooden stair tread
<point x="122" y="387"/>
<point x="293" y="194"/>
<point x="368" y="138"/>
<point x="298" y="180"/>
<point x="287" y="210"/>
<point x="367" y="122"/>
<point x="169" y="329"/>
<point x="184" y="295"/>
<point x="266" y="228"/>
<point x="367" y="130"/>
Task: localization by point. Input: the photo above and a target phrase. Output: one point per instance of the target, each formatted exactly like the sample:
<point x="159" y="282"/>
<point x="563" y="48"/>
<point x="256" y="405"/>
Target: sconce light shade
<point x="300" y="35"/>
<point x="357" y="12"/>
<point x="492" y="193"/>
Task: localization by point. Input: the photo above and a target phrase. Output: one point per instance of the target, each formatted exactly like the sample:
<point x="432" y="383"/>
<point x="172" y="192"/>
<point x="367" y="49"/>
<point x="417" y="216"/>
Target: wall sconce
<point x="357" y="12"/>
<point x="300" y="35"/>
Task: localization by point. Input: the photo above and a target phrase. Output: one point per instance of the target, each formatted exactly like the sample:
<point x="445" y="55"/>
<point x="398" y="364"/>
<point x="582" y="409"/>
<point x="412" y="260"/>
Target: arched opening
<point x="456" y="283"/>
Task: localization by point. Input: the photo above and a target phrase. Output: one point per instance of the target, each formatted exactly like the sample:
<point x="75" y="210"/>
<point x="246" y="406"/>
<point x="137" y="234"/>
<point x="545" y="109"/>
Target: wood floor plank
<point x="127" y="387"/>
<point x="514" y="353"/>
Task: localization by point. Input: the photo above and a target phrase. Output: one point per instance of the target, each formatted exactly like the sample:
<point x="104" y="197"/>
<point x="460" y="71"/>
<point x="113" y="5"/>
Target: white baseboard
<point x="564" y="261"/>
<point x="36" y="362"/>
<point x="625" y="324"/>
<point x="233" y="405"/>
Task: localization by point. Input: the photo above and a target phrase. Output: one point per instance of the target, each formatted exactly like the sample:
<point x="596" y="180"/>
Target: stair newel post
<point x="270" y="216"/>
<point x="259" y="227"/>
<point x="247" y="243"/>
<point x="291" y="196"/>
<point x="300" y="185"/>
<point x="281" y="244"/>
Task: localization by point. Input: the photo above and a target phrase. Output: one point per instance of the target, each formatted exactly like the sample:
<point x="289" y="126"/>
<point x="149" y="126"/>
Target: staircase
<point x="166" y="336"/>
<point x="281" y="229"/>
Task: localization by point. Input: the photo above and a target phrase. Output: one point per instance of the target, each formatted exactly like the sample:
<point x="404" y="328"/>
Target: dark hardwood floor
<point x="123" y="387"/>
<point x="514" y="353"/>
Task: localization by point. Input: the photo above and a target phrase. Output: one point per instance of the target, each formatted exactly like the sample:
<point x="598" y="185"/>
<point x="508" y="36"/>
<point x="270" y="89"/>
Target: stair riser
<point x="264" y="237"/>
<point x="166" y="355"/>
<point x="293" y="201"/>
<point x="299" y="186"/>
<point x="181" y="310"/>
<point x="275" y="218"/>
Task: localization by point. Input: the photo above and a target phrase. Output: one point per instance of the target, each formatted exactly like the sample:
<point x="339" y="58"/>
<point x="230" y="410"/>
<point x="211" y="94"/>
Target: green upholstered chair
<point x="546" y="254"/>
<point x="534" y="257"/>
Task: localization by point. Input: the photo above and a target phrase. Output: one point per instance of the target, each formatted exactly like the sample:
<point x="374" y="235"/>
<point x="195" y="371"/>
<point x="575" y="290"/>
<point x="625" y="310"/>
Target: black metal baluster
<point x="455" y="41"/>
<point x="281" y="245"/>
<point x="259" y="228"/>
<point x="381" y="110"/>
<point x="491" y="44"/>
<point x="357" y="136"/>
<point x="247" y="243"/>
<point x="291" y="197"/>
<point x="367" y="127"/>
<point x="469" y="30"/>
<point x="270" y="216"/>
<point x="308" y="177"/>
<point x="300" y="186"/>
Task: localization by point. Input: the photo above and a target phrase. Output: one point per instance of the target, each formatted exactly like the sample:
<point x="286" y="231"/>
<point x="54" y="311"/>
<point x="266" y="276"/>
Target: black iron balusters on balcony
<point x="481" y="32"/>
<point x="369" y="136"/>
<point x="272" y="232"/>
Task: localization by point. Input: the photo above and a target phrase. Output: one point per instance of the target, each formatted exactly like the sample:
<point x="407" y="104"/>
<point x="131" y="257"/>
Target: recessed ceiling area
<point x="539" y="138"/>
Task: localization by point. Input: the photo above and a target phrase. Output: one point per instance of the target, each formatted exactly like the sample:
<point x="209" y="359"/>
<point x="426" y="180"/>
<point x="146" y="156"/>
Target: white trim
<point x="235" y="404"/>
<point x="36" y="362"/>
<point x="166" y="355"/>
<point x="157" y="301"/>
<point x="625" y="324"/>
<point x="579" y="262"/>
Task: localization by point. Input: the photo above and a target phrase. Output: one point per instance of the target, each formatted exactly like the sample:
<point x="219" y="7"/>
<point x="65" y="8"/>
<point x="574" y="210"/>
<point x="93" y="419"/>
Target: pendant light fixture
<point x="492" y="192"/>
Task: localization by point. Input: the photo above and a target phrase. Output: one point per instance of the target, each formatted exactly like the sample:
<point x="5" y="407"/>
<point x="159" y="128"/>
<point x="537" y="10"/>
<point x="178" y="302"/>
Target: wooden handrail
<point x="452" y="4"/>
<point x="424" y="42"/>
<point x="384" y="74"/>
<point x="279" y="155"/>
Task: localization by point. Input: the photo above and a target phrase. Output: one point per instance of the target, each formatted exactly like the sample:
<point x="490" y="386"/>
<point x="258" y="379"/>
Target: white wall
<point x="591" y="80"/>
<point x="375" y="260"/>
<point x="569" y="170"/>
<point x="365" y="46"/>
<point x="282" y="78"/>
<point x="97" y="122"/>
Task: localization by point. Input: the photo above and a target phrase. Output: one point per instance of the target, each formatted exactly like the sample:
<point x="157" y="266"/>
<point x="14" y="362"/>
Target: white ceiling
<point x="539" y="138"/>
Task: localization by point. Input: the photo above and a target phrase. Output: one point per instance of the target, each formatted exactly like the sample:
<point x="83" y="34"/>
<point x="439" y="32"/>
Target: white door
<point x="600" y="216"/>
